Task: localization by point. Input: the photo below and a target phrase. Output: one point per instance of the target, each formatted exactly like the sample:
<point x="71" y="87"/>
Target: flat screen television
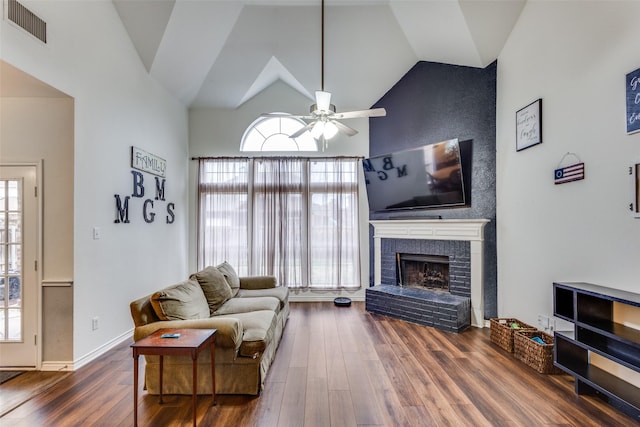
<point x="420" y="178"/>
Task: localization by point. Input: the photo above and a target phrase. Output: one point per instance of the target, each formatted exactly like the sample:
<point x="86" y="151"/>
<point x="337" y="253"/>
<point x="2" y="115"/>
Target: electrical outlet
<point x="94" y="323"/>
<point x="543" y="322"/>
<point x="97" y="233"/>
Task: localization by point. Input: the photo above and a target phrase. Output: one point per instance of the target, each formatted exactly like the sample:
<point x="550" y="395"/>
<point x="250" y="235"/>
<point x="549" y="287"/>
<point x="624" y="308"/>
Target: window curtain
<point x="295" y="218"/>
<point x="279" y="219"/>
<point x="334" y="235"/>
<point x="223" y="213"/>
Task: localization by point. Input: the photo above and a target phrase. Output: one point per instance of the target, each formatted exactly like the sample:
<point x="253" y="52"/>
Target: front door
<point x="18" y="277"/>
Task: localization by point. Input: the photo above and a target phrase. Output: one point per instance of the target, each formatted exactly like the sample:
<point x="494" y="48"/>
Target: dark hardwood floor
<point x="339" y="367"/>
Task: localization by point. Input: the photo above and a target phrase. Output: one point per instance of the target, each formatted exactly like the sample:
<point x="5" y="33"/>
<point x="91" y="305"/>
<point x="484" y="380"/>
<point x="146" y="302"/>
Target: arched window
<point x="272" y="134"/>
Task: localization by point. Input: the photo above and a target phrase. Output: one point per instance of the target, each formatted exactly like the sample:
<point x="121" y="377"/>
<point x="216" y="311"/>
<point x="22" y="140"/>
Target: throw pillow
<point x="214" y="285"/>
<point x="232" y="277"/>
<point x="181" y="301"/>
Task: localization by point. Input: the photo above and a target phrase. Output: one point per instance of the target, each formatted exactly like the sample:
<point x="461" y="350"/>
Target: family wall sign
<point x="149" y="188"/>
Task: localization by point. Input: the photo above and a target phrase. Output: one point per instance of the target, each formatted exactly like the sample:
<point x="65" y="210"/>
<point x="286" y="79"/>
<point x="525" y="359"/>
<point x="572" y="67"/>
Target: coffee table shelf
<point x="184" y="342"/>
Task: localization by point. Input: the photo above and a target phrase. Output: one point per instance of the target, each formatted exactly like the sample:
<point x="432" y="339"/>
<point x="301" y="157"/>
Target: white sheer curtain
<point x="223" y="212"/>
<point x="334" y="251"/>
<point x="279" y="219"/>
<point x="295" y="218"/>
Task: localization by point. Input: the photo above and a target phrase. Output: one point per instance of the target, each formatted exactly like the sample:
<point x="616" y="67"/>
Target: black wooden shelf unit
<point x="590" y="309"/>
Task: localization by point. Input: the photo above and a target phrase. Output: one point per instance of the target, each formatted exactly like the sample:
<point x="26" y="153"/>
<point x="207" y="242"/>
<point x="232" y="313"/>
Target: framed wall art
<point x="529" y="125"/>
<point x="634" y="175"/>
<point x="633" y="101"/>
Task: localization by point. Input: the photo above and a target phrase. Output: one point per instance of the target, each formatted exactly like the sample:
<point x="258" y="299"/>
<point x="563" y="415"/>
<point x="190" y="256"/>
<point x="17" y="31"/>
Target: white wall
<point x="218" y="132"/>
<point x="574" y="55"/>
<point x="52" y="141"/>
<point x="89" y="57"/>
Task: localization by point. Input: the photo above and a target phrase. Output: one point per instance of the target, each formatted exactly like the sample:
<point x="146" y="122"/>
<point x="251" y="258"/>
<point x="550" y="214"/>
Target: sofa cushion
<point x="259" y="330"/>
<point x="181" y="301"/>
<point x="232" y="277"/>
<point x="246" y="305"/>
<point x="280" y="292"/>
<point x="258" y="282"/>
<point x="214" y="285"/>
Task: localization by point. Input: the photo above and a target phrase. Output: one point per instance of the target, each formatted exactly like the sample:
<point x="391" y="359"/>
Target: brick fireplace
<point x="458" y="243"/>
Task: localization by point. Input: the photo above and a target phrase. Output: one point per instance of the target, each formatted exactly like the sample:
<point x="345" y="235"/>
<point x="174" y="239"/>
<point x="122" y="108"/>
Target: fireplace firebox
<point x="423" y="271"/>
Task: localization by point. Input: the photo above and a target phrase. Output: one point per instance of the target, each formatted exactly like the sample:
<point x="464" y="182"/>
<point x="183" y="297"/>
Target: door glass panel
<point x="14" y="195"/>
<point x="10" y="260"/>
<point x="15" y="324"/>
<point x="15" y="291"/>
<point x="14" y="259"/>
<point x="14" y="228"/>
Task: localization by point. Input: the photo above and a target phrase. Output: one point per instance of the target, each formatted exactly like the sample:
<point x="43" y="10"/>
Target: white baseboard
<point x="78" y="363"/>
<point x="312" y="298"/>
<point x="57" y="366"/>
<point x="324" y="296"/>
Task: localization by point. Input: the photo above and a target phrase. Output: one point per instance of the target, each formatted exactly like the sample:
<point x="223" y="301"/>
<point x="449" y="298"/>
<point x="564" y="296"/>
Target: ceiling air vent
<point x="27" y="20"/>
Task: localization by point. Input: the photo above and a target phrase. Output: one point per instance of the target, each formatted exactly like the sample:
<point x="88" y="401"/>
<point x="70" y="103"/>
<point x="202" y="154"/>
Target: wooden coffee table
<point x="190" y="342"/>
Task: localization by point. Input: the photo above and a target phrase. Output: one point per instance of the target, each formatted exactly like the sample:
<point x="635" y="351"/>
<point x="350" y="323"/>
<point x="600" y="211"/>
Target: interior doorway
<point x="18" y="266"/>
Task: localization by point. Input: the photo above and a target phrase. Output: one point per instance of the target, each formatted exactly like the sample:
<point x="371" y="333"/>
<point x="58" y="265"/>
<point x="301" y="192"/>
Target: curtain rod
<point x="272" y="157"/>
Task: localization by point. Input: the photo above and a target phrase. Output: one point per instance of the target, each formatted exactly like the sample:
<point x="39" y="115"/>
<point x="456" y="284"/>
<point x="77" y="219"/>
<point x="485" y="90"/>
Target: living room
<point x="100" y="101"/>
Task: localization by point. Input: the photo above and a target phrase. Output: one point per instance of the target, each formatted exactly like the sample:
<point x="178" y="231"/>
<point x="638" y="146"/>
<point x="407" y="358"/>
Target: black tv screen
<point x="425" y="177"/>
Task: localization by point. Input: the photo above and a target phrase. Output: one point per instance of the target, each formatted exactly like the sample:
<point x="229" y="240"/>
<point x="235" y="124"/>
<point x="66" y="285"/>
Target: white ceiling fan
<point x="323" y="117"/>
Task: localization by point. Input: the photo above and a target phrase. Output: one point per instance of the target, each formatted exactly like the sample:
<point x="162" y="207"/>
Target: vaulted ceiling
<point x="217" y="53"/>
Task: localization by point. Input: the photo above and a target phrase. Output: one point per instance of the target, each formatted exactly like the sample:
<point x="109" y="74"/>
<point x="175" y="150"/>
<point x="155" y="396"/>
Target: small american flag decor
<point x="569" y="173"/>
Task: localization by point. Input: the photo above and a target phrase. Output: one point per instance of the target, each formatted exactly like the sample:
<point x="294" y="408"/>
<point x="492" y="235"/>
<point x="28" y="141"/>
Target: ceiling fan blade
<point x="344" y="128"/>
<point x="374" y="112"/>
<point x="303" y="130"/>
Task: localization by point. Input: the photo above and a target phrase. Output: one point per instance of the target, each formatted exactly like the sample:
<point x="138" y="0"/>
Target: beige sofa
<point x="250" y="314"/>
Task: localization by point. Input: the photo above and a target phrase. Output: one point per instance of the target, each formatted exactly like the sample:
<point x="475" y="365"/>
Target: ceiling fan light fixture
<point x="323" y="121"/>
<point x="318" y="129"/>
<point x="330" y="130"/>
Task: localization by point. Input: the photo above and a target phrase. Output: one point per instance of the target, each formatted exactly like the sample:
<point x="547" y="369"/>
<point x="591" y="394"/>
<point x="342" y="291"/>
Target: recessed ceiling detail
<point x="271" y="73"/>
<point x="220" y="54"/>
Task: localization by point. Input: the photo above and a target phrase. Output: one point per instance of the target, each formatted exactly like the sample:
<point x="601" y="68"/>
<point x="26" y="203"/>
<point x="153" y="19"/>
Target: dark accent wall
<point x="434" y="102"/>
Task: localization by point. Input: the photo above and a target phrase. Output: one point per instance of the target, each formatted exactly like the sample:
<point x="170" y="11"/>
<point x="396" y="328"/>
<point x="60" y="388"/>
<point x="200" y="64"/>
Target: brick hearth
<point x="438" y="309"/>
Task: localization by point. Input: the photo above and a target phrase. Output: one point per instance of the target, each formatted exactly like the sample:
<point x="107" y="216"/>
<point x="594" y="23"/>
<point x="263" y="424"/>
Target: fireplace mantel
<point x="471" y="230"/>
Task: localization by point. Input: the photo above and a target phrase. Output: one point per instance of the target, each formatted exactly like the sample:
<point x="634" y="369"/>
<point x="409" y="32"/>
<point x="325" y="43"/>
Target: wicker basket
<point x="538" y="356"/>
<point x="502" y="332"/>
